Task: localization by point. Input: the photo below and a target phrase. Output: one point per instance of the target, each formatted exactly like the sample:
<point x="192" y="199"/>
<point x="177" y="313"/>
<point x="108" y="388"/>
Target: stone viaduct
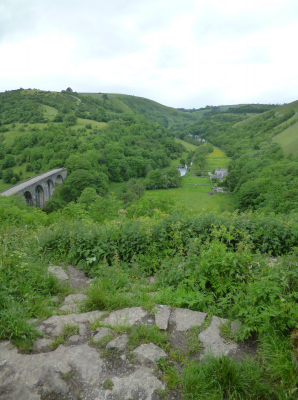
<point x="39" y="189"/>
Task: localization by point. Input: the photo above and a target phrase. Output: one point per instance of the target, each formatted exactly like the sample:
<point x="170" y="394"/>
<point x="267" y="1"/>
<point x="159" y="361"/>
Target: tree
<point x="8" y="175"/>
<point x="88" y="195"/>
<point x="70" y="119"/>
<point x="74" y="163"/>
<point x="8" y="161"/>
<point x="105" y="97"/>
<point x="79" y="180"/>
<point x="69" y="89"/>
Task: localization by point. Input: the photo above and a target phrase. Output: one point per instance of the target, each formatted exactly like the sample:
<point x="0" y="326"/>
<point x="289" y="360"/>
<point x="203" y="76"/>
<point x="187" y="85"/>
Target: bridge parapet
<point x="39" y="189"/>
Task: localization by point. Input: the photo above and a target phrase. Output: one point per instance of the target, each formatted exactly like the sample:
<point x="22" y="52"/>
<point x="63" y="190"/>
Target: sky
<point x="181" y="53"/>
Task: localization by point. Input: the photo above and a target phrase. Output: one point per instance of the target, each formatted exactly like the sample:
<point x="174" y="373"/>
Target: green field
<point x="197" y="198"/>
<point x="217" y="159"/>
<point x="188" y="178"/>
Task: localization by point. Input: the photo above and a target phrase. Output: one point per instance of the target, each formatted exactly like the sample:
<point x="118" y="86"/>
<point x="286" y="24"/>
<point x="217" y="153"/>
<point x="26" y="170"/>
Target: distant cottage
<point x="221" y="171"/>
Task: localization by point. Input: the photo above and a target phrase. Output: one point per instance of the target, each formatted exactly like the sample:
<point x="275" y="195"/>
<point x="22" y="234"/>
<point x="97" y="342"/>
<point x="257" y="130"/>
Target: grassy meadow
<point x="288" y="139"/>
<point x="217" y="159"/>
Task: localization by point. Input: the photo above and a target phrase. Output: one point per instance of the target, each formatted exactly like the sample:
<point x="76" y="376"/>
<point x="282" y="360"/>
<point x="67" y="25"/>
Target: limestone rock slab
<point x="212" y="341"/>
<point x="149" y="353"/>
<point x="101" y="333"/>
<point x="162" y="316"/>
<point x="74" y="338"/>
<point x="140" y="385"/>
<point x="42" y="343"/>
<point x="119" y="343"/>
<point x="74" y="298"/>
<point x="51" y="381"/>
<point x="22" y="372"/>
<point x="68" y="308"/>
<point x="59" y="272"/>
<point x="54" y="325"/>
<point x="186" y="319"/>
<point x="126" y="316"/>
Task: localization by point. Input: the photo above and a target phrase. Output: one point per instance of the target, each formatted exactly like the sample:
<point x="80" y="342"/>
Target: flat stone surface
<point x="22" y="372"/>
<point x="162" y="316"/>
<point x="58" y="272"/>
<point x="68" y="308"/>
<point x="74" y="298"/>
<point x="119" y="343"/>
<point x="42" y="343"/>
<point x="140" y="385"/>
<point x="74" y="338"/>
<point x="149" y="353"/>
<point x="212" y="341"/>
<point x="126" y="316"/>
<point x="82" y="330"/>
<point x="54" y="324"/>
<point x="101" y="333"/>
<point x="77" y="277"/>
<point x="51" y="382"/>
<point x="186" y="319"/>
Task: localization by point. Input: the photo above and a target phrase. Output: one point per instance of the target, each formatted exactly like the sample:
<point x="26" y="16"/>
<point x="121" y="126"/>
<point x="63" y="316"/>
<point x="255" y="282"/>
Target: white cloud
<point x="182" y="54"/>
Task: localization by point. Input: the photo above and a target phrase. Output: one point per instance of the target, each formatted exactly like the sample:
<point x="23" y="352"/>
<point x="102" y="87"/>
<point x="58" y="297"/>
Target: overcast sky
<point x="181" y="53"/>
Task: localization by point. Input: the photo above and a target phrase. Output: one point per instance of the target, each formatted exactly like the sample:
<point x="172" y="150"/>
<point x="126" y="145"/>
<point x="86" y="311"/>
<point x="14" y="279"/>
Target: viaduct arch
<point x="36" y="191"/>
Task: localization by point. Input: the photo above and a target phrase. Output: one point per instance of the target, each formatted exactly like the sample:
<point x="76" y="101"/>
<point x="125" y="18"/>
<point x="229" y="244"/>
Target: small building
<point x="221" y="171"/>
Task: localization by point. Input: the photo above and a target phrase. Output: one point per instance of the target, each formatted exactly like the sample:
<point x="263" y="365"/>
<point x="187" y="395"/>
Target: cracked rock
<point x="101" y="333"/>
<point x="75" y="298"/>
<point x="60" y="274"/>
<point x="149" y="353"/>
<point x="186" y="319"/>
<point x="162" y="316"/>
<point x="126" y="316"/>
<point x="51" y="381"/>
<point x="119" y="343"/>
<point x="42" y="343"/>
<point x="212" y="341"/>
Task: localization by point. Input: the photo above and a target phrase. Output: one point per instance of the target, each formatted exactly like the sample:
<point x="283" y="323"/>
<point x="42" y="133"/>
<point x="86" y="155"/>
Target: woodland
<point x="238" y="263"/>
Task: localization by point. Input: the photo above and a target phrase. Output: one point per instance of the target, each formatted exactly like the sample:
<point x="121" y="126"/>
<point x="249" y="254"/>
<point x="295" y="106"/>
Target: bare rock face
<point x="149" y="353"/>
<point x="60" y="274"/>
<point x="140" y="385"/>
<point x="75" y="298"/>
<point x="119" y="343"/>
<point x="212" y="341"/>
<point x="101" y="333"/>
<point x="42" y="343"/>
<point x="126" y="316"/>
<point x="186" y="319"/>
<point x="51" y="381"/>
<point x="162" y="316"/>
<point x="54" y="325"/>
<point x="27" y="373"/>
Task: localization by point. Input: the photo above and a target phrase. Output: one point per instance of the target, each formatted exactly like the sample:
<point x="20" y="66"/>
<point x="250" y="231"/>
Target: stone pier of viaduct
<point x="36" y="191"/>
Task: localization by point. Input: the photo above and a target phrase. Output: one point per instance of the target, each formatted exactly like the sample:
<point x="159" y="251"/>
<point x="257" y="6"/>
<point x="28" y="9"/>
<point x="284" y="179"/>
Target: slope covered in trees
<point x="261" y="174"/>
<point x="94" y="139"/>
<point x="240" y="265"/>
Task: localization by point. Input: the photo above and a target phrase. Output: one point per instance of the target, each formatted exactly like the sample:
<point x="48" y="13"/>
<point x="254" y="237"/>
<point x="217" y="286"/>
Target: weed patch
<point x="68" y="330"/>
<point x="141" y="334"/>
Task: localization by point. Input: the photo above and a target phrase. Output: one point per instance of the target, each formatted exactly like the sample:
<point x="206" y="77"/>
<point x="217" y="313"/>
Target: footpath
<point x="89" y="356"/>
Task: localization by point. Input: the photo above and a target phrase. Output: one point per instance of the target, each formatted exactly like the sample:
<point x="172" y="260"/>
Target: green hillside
<point x="232" y="256"/>
<point x="153" y="111"/>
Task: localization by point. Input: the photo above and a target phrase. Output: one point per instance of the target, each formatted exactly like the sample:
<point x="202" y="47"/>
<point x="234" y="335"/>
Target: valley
<point x="159" y="261"/>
